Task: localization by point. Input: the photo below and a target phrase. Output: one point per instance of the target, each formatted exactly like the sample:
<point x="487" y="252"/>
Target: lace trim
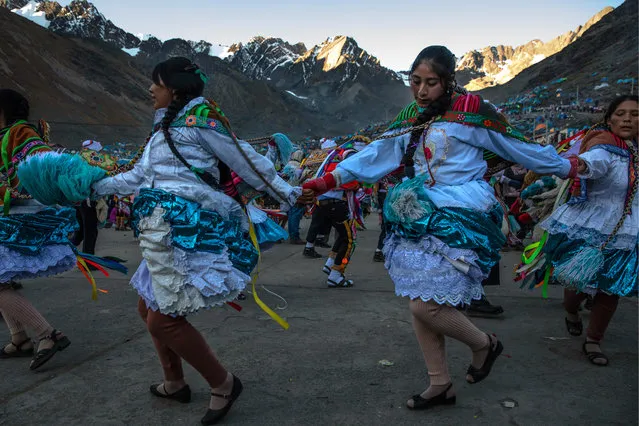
<point x="419" y="270"/>
<point x="592" y="236"/>
<point x="183" y="282"/>
<point x="51" y="260"/>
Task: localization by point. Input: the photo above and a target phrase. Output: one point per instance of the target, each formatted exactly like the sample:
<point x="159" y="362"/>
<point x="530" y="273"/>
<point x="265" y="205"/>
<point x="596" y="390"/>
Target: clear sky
<point x="393" y="30"/>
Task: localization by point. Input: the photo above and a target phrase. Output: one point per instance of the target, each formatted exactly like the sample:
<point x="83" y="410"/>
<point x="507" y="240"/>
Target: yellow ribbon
<point x="278" y="319"/>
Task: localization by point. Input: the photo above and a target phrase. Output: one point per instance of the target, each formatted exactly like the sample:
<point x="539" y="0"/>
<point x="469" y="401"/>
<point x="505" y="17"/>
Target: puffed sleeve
<point x="248" y="164"/>
<point x="373" y="162"/>
<point x="122" y="184"/>
<point x="598" y="163"/>
<point x="538" y="158"/>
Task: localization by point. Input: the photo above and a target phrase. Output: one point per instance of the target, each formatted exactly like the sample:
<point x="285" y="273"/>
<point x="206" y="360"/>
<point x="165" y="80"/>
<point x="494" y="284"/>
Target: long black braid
<point x="181" y="75"/>
<point x="442" y="61"/>
<point x="171" y="113"/>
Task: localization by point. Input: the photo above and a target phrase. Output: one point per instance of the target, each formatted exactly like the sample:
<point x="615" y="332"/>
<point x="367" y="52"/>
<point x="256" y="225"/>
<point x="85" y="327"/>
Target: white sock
<point x="377" y="250"/>
<point x="310" y="245"/>
<point x="335" y="276"/>
<point x="329" y="262"/>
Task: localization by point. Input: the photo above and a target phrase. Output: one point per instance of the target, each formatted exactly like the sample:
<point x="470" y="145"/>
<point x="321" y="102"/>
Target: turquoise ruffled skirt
<point x="36" y="244"/>
<point x="193" y="258"/>
<point x="619" y="275"/>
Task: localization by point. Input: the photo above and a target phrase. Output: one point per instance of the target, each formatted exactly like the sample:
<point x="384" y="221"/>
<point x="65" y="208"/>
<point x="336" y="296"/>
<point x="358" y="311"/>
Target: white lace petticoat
<point x="177" y="282"/>
<point x="420" y="270"/>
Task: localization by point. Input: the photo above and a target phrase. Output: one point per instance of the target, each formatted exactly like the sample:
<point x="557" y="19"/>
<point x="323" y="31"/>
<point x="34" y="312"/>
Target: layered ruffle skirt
<point x="573" y="228"/>
<point x="445" y="255"/>
<point x="36" y="245"/>
<point x="192" y="257"/>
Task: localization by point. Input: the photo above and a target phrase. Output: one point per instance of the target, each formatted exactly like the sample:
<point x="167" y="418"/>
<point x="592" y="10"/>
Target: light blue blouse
<point x="457" y="162"/>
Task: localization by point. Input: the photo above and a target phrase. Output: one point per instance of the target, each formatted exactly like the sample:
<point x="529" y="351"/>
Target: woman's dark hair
<point x="13" y="106"/>
<point x="615" y="104"/>
<point x="442" y="62"/>
<point x="182" y="76"/>
<point x="187" y="82"/>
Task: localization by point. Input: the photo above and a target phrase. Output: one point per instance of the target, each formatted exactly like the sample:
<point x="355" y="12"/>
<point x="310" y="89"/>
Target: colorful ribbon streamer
<point x="259" y="302"/>
<point x="85" y="271"/>
<point x="535" y="248"/>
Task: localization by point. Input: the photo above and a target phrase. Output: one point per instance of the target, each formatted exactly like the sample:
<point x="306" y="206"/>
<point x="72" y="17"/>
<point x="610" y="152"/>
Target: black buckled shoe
<point x="182" y="395"/>
<point x="420" y="403"/>
<point x="479" y="374"/>
<point x="60" y="343"/>
<point x="213" y="416"/>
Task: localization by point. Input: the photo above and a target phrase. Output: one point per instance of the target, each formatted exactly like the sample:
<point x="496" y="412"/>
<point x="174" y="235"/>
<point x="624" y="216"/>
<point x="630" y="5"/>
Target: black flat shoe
<point x="183" y="395"/>
<point x="479" y="374"/>
<point x="60" y="343"/>
<point x="484" y="309"/>
<point x="19" y="351"/>
<point x="594" y="356"/>
<point x="574" y="328"/>
<point x="213" y="416"/>
<point x="420" y="403"/>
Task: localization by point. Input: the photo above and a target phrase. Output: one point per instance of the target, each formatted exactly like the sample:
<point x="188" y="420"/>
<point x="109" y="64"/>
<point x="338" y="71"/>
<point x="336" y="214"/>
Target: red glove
<point x="574" y="166"/>
<point x="525" y="219"/>
<point x="321" y="184"/>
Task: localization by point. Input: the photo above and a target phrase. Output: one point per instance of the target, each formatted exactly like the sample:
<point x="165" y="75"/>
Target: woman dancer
<point x="444" y="224"/>
<point x="33" y="240"/>
<point x="194" y="238"/>
<point x="603" y="219"/>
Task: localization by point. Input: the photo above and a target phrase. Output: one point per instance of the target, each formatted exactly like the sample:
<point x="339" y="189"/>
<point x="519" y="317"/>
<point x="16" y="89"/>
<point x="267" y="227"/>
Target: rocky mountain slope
<point x="335" y="87"/>
<point x="87" y="90"/>
<point x="90" y="89"/>
<point x="336" y="76"/>
<point x="495" y="65"/>
<point x="608" y="51"/>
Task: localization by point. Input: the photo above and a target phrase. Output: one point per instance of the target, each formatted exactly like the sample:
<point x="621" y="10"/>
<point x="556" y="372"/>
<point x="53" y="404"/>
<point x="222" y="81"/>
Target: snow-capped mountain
<point x="329" y="89"/>
<point x="335" y="63"/>
<point x="338" y="61"/>
<point x="265" y="58"/>
<point x="78" y="19"/>
<point x="82" y="19"/>
<point x="495" y="65"/>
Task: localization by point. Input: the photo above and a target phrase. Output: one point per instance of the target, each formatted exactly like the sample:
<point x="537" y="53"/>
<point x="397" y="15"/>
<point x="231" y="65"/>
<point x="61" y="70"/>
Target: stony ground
<point x="327" y="368"/>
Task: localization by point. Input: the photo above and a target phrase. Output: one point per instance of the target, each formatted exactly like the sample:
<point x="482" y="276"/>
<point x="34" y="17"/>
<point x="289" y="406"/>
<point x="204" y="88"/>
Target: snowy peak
<point x="337" y="51"/>
<point x="293" y="65"/>
<point x="79" y="19"/>
<point x="495" y="65"/>
<point x="30" y="10"/>
<point x="82" y="19"/>
<point x="263" y="58"/>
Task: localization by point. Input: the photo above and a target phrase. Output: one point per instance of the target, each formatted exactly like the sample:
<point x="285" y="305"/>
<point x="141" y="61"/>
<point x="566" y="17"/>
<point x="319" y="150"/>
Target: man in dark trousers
<point x="88" y="232"/>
